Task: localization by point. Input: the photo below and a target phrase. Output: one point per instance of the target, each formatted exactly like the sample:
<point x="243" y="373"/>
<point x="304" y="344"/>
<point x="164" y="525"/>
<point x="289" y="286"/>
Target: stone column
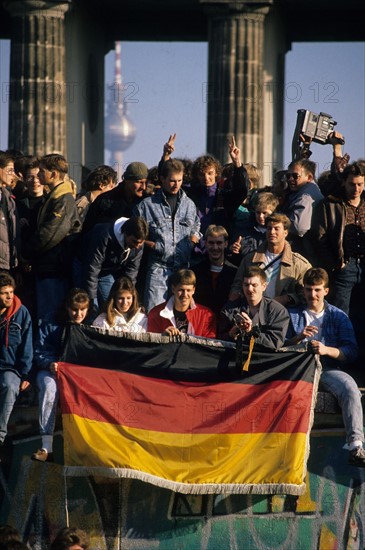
<point x="235" y="77"/>
<point x="37" y="115"/>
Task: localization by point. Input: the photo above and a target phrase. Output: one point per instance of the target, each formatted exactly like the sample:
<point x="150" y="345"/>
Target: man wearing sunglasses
<point x="303" y="195"/>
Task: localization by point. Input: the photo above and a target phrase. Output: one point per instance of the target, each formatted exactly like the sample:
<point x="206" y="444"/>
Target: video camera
<point x="310" y="127"/>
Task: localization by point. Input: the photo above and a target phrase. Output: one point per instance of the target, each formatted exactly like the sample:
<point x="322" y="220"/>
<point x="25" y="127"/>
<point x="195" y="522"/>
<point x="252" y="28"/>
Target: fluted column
<point x="37" y="117"/>
<point x="235" y="77"/>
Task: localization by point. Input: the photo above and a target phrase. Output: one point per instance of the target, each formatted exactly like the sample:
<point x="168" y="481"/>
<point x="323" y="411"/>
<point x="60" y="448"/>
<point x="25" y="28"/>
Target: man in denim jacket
<point x="173" y="226"/>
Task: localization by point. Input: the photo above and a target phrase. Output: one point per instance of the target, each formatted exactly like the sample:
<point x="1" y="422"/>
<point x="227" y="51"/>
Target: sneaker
<point x="42" y="456"/>
<point x="357" y="457"/>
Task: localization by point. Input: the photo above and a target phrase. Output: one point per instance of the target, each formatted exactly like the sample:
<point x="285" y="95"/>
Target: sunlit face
<point x="261" y="214"/>
<point x="6" y="297"/>
<point x="253" y="289"/>
<point x="171" y="184"/>
<point x="7" y="175"/>
<point x="296" y="176"/>
<point x="208" y="177"/>
<point x="33" y="184"/>
<point x="123" y="301"/>
<point x="216" y="245"/>
<point x="183" y="295"/>
<point x="314" y="296"/>
<point x="135" y="189"/>
<point x="354" y="186"/>
<point x="276" y="234"/>
<point x="78" y="313"/>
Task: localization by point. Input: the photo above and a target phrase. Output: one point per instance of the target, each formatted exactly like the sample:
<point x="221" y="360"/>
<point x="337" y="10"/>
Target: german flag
<point x="178" y="415"/>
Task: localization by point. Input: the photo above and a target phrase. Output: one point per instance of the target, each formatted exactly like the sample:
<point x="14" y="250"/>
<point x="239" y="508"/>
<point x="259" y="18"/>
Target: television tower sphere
<point x="120" y="132"/>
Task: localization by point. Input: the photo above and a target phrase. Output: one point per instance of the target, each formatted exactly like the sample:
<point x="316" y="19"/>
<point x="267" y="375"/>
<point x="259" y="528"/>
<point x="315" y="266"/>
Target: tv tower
<point x="120" y="132"/>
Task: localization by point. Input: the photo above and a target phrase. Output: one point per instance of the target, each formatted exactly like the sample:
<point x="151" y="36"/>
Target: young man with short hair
<point x="108" y="251"/>
<point x="284" y="268"/>
<point x="173" y="226"/>
<point x="215" y="274"/>
<point x="16" y="349"/>
<point x="48" y="248"/>
<point x="339" y="229"/>
<point x="302" y="198"/>
<point x="254" y="314"/>
<point x="330" y="334"/>
<point x="180" y="314"/>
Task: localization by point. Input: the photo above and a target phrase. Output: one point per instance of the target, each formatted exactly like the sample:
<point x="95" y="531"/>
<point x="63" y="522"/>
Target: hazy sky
<point x="165" y="86"/>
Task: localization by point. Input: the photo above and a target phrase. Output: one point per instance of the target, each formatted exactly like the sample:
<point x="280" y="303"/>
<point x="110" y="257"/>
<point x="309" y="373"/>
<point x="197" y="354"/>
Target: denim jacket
<point x="172" y="236"/>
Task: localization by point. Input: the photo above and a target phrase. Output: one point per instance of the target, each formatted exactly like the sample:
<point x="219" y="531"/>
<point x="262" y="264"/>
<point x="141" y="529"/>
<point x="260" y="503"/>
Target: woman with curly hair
<point x="121" y="310"/>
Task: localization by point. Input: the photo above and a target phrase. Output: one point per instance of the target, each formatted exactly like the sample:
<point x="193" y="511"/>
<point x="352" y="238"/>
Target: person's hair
<point x="217" y="230"/>
<point x="254" y="174"/>
<point x="54" y="161"/>
<point x="124" y="284"/>
<point x="254" y="271"/>
<point x="265" y="200"/>
<point x="8" y="533"/>
<point x="5" y="158"/>
<point x="183" y="277"/>
<point x="202" y="164"/>
<point x="308" y="166"/>
<point x="74" y="298"/>
<point x="101" y="175"/>
<point x="69" y="536"/>
<point x="6" y="279"/>
<point x="27" y="163"/>
<point x="277" y="217"/>
<point x="136" y="226"/>
<point x="316" y="276"/>
<point x="172" y="166"/>
<point x="354" y="169"/>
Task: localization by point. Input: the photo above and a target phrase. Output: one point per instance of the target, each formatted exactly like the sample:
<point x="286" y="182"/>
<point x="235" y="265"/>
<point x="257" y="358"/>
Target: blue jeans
<point x="48" y="399"/>
<point x="348" y="395"/>
<point x="9" y="391"/>
<point x="344" y="280"/>
<point x="105" y="284"/>
<point x="156" y="286"/>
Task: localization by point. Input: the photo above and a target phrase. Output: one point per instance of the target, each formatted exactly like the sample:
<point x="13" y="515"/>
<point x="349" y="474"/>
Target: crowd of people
<point x="185" y="247"/>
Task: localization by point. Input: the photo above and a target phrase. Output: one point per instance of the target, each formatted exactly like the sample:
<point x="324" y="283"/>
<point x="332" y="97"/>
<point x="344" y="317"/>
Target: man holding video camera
<point x="303" y="195"/>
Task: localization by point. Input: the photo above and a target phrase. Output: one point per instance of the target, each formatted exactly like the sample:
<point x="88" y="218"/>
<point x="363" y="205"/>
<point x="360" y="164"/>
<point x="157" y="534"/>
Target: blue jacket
<point x="48" y="346"/>
<point x="16" y="346"/>
<point x="102" y="252"/>
<point x="171" y="235"/>
<point x="337" y="332"/>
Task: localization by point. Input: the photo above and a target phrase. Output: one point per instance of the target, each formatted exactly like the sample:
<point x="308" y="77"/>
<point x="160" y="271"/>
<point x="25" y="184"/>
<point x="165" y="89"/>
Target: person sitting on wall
<point x="180" y="314"/>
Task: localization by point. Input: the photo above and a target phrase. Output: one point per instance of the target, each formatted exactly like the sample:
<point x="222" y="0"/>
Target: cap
<point x="135" y="171"/>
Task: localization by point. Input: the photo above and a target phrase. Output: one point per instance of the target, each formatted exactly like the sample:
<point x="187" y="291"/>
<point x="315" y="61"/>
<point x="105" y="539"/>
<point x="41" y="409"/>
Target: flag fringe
<point x="189" y="488"/>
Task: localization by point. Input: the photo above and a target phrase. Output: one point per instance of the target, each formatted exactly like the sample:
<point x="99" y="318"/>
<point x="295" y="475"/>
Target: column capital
<point x="38" y="8"/>
<point x="237" y="7"/>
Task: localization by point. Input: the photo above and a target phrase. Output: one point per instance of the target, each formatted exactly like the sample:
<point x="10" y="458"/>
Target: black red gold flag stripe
<point x="177" y="414"/>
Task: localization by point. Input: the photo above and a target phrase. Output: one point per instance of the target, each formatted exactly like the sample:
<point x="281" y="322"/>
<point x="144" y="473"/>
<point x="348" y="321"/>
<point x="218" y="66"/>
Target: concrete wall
<point x="38" y="500"/>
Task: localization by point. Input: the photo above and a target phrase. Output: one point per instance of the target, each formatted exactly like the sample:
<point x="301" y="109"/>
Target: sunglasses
<point x="293" y="175"/>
